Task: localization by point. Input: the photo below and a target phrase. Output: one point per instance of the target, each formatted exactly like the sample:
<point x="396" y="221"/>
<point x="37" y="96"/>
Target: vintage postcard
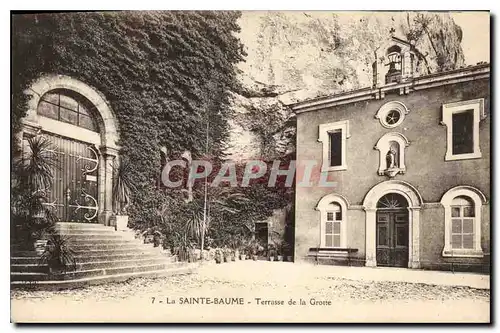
<point x="250" y="167"/>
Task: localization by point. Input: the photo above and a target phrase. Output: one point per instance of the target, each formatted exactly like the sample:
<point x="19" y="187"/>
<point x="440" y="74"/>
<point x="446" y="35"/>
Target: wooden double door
<point x="392" y="237"/>
<point x="73" y="196"/>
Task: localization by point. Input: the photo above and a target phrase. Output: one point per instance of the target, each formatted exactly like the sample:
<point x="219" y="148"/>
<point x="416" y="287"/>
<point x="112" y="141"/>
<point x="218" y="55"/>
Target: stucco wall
<point x="426" y="168"/>
<point x="432" y="240"/>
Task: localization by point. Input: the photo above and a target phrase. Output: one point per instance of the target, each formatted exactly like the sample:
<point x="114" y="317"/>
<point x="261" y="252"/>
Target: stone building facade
<point x="409" y="158"/>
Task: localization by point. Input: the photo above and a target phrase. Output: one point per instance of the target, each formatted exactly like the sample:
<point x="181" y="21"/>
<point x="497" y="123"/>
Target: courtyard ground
<point x="269" y="292"/>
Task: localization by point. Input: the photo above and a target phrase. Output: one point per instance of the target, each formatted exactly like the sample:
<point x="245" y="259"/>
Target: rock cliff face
<point x="297" y="55"/>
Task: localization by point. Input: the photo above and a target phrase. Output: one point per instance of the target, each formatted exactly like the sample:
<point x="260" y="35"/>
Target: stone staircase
<point x="101" y="254"/>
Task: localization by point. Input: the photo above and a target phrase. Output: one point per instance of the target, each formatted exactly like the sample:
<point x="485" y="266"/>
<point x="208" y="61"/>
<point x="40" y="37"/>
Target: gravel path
<point x="255" y="282"/>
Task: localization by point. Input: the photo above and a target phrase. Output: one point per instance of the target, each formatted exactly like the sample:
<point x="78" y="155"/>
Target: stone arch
<point x="476" y="195"/>
<point x="106" y="118"/>
<point x="333" y="197"/>
<point x="323" y="208"/>
<point x="106" y="141"/>
<point x="411" y="194"/>
<point x="392" y="186"/>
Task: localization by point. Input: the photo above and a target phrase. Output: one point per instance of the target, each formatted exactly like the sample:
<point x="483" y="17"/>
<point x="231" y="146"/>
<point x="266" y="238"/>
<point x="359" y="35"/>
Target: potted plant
<point x="271" y="252"/>
<point x="236" y="244"/>
<point x="218" y="256"/>
<point x="122" y="190"/>
<point x="249" y="249"/>
<point x="242" y="254"/>
<point x="279" y="249"/>
<point x="58" y="255"/>
<point x="226" y="254"/>
<point x="255" y="246"/>
<point x="183" y="249"/>
<point x="33" y="221"/>
<point x="287" y="251"/>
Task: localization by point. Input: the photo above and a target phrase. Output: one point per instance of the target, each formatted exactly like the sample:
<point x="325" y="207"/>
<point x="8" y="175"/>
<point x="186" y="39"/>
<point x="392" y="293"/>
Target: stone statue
<point x="391" y="158"/>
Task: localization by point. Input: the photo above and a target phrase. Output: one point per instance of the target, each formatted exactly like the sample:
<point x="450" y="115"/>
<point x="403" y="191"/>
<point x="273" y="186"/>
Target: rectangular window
<point x="462" y="129"/>
<point x="335" y="147"/>
<point x="333" y="137"/>
<point x="463" y="132"/>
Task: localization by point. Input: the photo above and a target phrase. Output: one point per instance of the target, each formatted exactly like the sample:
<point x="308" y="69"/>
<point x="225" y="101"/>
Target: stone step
<point x="28" y="276"/>
<point x="75" y="225"/>
<point x="165" y="256"/>
<point x="118" y="270"/>
<point x="122" y="263"/>
<point x="91" y="234"/>
<point x="95" y="264"/>
<point x="83" y="282"/>
<point x="79" y="274"/>
<point x="74" y="241"/>
<point x="17" y="253"/>
<point x="85" y="247"/>
<point x="31" y="268"/>
<point x="102" y="256"/>
<point x="78" y="233"/>
<point x="135" y="250"/>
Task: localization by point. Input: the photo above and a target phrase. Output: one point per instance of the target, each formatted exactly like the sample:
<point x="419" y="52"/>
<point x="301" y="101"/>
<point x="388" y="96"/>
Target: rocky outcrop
<point x="298" y="55"/>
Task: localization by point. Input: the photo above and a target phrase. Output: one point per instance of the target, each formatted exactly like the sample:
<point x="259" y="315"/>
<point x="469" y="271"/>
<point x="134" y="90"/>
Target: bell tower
<point x="394" y="62"/>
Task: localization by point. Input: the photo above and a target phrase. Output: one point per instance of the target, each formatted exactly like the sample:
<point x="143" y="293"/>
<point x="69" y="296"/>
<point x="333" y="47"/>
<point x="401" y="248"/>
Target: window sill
<point x="333" y="168"/>
<point x="448" y="253"/>
<point x="463" y="156"/>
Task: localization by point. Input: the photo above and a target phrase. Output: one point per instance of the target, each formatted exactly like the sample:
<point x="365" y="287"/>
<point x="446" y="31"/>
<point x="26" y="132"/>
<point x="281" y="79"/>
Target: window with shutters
<point x="462" y="223"/>
<point x="333" y="210"/>
<point x="332" y="225"/>
<point x="333" y="137"/>
<point x="462" y="122"/>
<point x="462" y="209"/>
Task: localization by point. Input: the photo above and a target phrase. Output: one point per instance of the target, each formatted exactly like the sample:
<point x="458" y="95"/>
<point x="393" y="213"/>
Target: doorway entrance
<point x="392" y="231"/>
<point x="73" y="196"/>
<point x="83" y="133"/>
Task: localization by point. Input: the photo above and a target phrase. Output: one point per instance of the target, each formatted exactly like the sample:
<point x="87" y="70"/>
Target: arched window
<point x="462" y="207"/>
<point x="462" y="223"/>
<point x="333" y="216"/>
<point x="69" y="107"/>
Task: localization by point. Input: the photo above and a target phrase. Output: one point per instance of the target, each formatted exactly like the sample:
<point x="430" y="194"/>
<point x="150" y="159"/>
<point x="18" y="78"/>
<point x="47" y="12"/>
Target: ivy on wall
<point x="165" y="74"/>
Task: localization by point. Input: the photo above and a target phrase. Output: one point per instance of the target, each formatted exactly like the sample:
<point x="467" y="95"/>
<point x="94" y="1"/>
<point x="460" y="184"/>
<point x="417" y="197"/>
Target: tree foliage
<point x="158" y="70"/>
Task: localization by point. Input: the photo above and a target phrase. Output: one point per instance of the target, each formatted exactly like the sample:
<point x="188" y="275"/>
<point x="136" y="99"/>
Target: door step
<point x="101" y="254"/>
<point x="84" y="282"/>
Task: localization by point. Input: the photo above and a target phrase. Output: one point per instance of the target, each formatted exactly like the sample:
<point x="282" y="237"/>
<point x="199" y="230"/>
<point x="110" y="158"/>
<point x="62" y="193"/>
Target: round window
<point x="392" y="117"/>
<point x="392" y="114"/>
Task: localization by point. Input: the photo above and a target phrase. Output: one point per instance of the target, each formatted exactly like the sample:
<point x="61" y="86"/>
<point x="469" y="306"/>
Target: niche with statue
<point x="391" y="149"/>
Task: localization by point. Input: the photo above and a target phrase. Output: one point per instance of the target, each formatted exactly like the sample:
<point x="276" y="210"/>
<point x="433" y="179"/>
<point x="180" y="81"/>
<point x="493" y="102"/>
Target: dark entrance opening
<point x="392" y="231"/>
<point x="262" y="232"/>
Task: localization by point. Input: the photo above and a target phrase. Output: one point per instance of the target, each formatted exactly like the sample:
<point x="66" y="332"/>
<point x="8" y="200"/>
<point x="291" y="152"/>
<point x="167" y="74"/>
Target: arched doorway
<point x="392" y="225"/>
<point x="82" y="131"/>
<point x="392" y="231"/>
